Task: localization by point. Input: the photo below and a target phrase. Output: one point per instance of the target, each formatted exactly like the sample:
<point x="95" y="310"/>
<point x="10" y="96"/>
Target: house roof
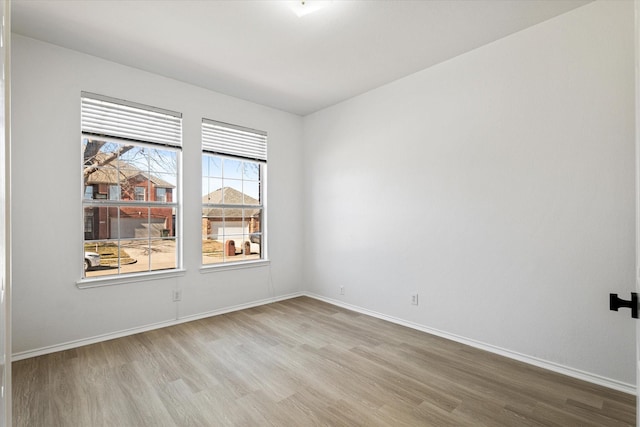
<point x="229" y="196"/>
<point x="119" y="170"/>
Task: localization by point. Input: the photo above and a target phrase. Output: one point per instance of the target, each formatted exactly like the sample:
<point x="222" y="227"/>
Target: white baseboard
<point x="192" y="317"/>
<point x="105" y="337"/>
<point x="555" y="367"/>
<point x="551" y="366"/>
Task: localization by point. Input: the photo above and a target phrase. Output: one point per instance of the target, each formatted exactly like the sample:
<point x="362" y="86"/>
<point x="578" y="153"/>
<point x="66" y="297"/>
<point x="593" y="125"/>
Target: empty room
<point x="338" y="213"/>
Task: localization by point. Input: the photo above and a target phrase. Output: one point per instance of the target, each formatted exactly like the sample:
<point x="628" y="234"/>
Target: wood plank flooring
<point x="300" y="362"/>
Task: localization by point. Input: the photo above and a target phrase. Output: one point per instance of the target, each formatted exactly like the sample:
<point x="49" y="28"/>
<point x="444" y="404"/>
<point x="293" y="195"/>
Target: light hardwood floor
<point x="299" y="362"/>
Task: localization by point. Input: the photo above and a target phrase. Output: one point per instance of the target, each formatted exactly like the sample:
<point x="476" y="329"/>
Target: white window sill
<point x="239" y="265"/>
<point x="96" y="282"/>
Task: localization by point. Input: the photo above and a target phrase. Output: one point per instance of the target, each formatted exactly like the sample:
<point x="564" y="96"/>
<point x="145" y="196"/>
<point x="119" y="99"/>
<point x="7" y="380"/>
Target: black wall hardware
<point x="615" y="303"/>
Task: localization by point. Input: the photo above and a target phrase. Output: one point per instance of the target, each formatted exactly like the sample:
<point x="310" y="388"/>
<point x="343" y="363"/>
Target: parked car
<point x="91" y="260"/>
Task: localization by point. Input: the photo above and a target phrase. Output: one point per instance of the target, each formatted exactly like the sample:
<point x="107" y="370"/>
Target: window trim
<point x="173" y="143"/>
<point x="146" y="204"/>
<point x="238" y="265"/>
<point x="122" y="279"/>
<point x="208" y="150"/>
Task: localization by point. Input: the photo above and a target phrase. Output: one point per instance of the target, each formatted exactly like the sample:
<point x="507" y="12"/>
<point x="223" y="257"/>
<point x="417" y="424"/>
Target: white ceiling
<point x="261" y="51"/>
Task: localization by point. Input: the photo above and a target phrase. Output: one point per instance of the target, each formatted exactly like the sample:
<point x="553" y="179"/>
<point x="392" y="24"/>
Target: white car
<point x="91" y="260"/>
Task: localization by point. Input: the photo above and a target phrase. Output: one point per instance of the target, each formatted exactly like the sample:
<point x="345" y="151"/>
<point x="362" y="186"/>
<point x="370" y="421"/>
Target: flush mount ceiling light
<point x="305" y="7"/>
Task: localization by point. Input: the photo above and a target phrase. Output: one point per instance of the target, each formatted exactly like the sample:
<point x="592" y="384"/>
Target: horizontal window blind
<point x="224" y="138"/>
<point x="116" y="118"/>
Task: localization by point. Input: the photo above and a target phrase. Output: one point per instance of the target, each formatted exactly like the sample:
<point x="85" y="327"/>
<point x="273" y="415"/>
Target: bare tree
<point x="142" y="159"/>
<point x="92" y="162"/>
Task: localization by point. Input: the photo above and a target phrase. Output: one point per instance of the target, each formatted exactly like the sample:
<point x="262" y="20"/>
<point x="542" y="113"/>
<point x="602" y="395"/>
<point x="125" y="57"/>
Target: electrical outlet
<point x="177" y="295"/>
<point x="341" y="290"/>
<point x="414" y="299"/>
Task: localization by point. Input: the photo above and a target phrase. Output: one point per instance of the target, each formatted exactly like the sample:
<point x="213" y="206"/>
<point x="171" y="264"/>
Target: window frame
<point x="176" y="204"/>
<point x="262" y="197"/>
<point x="119" y="203"/>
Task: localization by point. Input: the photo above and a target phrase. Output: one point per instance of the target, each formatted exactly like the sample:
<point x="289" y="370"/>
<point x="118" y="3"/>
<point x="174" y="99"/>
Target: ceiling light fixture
<point x="305" y="7"/>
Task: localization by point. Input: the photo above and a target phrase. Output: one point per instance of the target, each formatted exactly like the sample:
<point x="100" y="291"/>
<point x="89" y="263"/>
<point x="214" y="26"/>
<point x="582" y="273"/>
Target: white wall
<point x="512" y="169"/>
<point x="47" y="224"/>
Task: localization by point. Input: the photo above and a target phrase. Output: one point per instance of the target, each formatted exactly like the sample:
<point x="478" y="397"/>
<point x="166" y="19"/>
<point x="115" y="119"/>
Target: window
<point x="88" y="223"/>
<point x="88" y="192"/>
<point x="161" y="194"/>
<point x="233" y="200"/>
<point x="128" y="152"/>
<point x="139" y="193"/>
<point x="114" y="192"/>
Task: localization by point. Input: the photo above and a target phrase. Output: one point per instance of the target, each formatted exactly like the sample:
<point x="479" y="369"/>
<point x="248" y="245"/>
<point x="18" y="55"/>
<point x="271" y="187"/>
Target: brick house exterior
<point x="101" y="223"/>
<point x="232" y="219"/>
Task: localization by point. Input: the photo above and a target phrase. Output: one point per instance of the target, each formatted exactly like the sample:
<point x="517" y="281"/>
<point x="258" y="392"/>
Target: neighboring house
<point x="135" y="221"/>
<point x="237" y="223"/>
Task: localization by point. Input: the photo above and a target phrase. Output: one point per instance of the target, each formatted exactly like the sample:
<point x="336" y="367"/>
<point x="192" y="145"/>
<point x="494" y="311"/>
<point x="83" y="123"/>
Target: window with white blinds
<point x="131" y="176"/>
<point x="233" y="140"/>
<point x="233" y="193"/>
<point x="104" y="116"/>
